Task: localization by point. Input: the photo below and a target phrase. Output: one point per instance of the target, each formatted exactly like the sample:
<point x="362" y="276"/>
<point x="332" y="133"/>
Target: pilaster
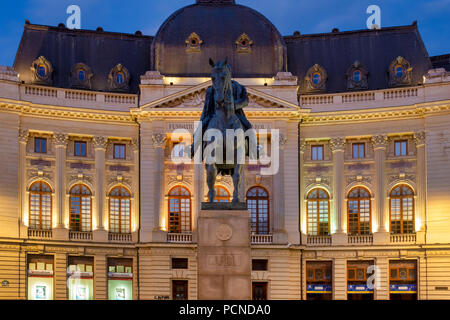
<point x="100" y="145"/>
<point x="61" y="232"/>
<point x="23" y="140"/>
<point x="337" y="146"/>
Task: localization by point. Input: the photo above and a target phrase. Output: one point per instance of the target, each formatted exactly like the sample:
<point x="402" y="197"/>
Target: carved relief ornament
<point x="23" y="135"/>
<point x="337" y="144"/>
<point x="419" y="138"/>
<point x="357" y="76"/>
<point x="379" y="141"/>
<point x="316" y="79"/>
<point x="400" y="72"/>
<point x="159" y="140"/>
<point x="193" y="43"/>
<point x="42" y="70"/>
<point x="100" y="142"/>
<point x="244" y="44"/>
<point x="61" y="139"/>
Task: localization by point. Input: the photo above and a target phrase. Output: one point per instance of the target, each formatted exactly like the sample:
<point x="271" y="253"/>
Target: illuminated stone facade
<point x="117" y="143"/>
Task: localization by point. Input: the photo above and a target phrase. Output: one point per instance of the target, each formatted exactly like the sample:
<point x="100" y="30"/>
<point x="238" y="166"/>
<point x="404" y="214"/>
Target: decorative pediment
<point x="194" y="98"/>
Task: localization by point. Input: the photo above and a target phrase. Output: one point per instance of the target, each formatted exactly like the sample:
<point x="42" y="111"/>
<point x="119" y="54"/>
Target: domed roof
<point x="217" y="29"/>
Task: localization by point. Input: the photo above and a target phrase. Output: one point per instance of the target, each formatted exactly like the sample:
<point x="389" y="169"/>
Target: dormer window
<point x="42" y="71"/>
<point x="400" y="72"/>
<point x="315" y="79"/>
<point x="357" y="76"/>
<point x="244" y="44"/>
<point x="80" y="76"/>
<point x="193" y="43"/>
<point x="119" y="78"/>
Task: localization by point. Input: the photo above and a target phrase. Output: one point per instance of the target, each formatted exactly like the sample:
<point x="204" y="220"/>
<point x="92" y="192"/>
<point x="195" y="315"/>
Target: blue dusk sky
<point x="307" y="16"/>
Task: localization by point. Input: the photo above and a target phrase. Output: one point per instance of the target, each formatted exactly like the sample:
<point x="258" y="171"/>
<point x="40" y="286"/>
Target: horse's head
<point x="221" y="79"/>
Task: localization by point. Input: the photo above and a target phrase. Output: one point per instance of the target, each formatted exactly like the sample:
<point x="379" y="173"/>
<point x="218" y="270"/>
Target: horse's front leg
<point x="238" y="179"/>
<point x="211" y="174"/>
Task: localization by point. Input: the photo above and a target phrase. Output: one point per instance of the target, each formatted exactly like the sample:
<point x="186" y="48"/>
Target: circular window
<point x="81" y="75"/>
<point x="357" y="76"/>
<point x="316" y="78"/>
<point x="42" y="70"/>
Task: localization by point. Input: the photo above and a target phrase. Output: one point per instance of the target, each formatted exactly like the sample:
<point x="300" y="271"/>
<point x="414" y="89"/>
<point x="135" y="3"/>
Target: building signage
<point x="318" y="288"/>
<point x="403" y="288"/>
<point x="359" y="288"/>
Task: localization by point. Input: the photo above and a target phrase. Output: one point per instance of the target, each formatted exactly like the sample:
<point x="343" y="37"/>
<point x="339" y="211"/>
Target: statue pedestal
<point x="224" y="254"/>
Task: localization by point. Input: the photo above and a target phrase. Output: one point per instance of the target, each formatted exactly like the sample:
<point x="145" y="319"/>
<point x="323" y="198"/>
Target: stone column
<point x="421" y="192"/>
<point x="23" y="140"/>
<point x="337" y="146"/>
<point x="304" y="217"/>
<point x="135" y="185"/>
<point x="61" y="231"/>
<point x="100" y="144"/>
<point x="381" y="216"/>
<point x="279" y="230"/>
<point x="159" y="143"/>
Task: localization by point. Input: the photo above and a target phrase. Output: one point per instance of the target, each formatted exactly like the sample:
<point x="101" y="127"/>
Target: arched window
<point x="258" y="205"/>
<point x="318" y="213"/>
<point x="359" y="211"/>
<point x="119" y="210"/>
<point x="80" y="208"/>
<point x="179" y="210"/>
<point x="40" y="206"/>
<point x="402" y="210"/>
<point x="222" y="194"/>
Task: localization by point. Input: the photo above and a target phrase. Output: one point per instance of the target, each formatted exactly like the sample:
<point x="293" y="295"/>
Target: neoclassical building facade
<point x="95" y="207"/>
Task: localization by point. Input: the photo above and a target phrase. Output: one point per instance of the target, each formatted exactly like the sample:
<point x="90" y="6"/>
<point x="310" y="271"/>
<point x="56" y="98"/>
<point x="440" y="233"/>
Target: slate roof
<point x="99" y="50"/>
<point x="219" y="23"/>
<point x="375" y="49"/>
<point x="442" y="61"/>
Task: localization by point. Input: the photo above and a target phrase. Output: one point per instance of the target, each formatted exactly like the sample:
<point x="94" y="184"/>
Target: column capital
<point x="100" y="142"/>
<point x="380" y="141"/>
<point x="135" y="144"/>
<point x="282" y="140"/>
<point x="303" y="145"/>
<point x="23" y="135"/>
<point x="60" y="139"/>
<point x="419" y="138"/>
<point x="337" y="144"/>
<point x="159" y="140"/>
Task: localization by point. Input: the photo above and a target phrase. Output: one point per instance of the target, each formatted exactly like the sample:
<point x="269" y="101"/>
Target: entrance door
<point x="259" y="290"/>
<point x="179" y="290"/>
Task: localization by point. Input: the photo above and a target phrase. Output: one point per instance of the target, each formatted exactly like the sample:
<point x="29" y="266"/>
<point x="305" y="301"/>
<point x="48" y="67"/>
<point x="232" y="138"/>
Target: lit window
<point x="318" y="213"/>
<point x="222" y="194"/>
<point x="401" y="148"/>
<point x="40" y="206"/>
<point x="358" y="151"/>
<point x="399" y="71"/>
<point x="316" y="78"/>
<point x="317" y="152"/>
<point x="81" y="75"/>
<point x="258" y="205"/>
<point x="359" y="211"/>
<point x="40" y="145"/>
<point x="402" y="210"/>
<point x="357" y="76"/>
<point x="119" y="210"/>
<point x="80" y="208"/>
<point x="42" y="71"/>
<point x="179" y="210"/>
<point x="80" y="149"/>
<point x="119" y="151"/>
<point x="119" y="78"/>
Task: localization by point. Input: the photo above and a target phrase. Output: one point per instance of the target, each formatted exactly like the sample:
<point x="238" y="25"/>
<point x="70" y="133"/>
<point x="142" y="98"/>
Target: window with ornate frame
<point x="244" y="44"/>
<point x="119" y="78"/>
<point x="315" y="79"/>
<point x="40" y="200"/>
<point x="40" y="145"/>
<point x="402" y="210"/>
<point x="258" y="205"/>
<point x="318" y="208"/>
<point x="400" y="72"/>
<point x="193" y="43"/>
<point x="42" y="71"/>
<point x="119" y="151"/>
<point x="359" y="211"/>
<point x="222" y="194"/>
<point x="401" y="148"/>
<point x="80" y="208"/>
<point x="120" y="210"/>
<point x="357" y="76"/>
<point x="80" y="76"/>
<point x="80" y="148"/>
<point x="358" y="150"/>
<point x="180" y="210"/>
<point x="317" y="152"/>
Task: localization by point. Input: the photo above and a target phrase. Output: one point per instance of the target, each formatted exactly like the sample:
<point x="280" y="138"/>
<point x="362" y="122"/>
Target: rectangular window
<point x="40" y="277"/>
<point x="318" y="280"/>
<point x="40" y="145"/>
<point x="259" y="264"/>
<point x="179" y="263"/>
<point x="403" y="280"/>
<point x="358" y="272"/>
<point x="179" y="290"/>
<point x="359" y="150"/>
<point x="119" y="151"/>
<point x="120" y="279"/>
<point x="259" y="290"/>
<point x="80" y="278"/>
<point x="80" y="149"/>
<point x="401" y="148"/>
<point x="317" y="153"/>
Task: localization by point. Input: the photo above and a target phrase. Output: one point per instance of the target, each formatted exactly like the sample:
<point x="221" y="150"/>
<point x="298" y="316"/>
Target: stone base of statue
<point x="224" y="255"/>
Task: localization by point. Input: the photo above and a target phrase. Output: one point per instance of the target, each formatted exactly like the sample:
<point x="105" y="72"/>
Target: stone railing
<point x="366" y="239"/>
<point x="179" y="237"/>
<point x="78" y="98"/>
<point x="363" y="99"/>
<point x="319" y="241"/>
<point x="80" y="235"/>
<point x="40" y="234"/>
<point x="403" y="238"/>
<point x="120" y="237"/>
<point x="261" y="239"/>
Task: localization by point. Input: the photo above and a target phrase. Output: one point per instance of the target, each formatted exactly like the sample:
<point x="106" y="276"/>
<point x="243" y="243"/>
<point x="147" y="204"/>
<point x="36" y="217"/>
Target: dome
<point x="218" y="29"/>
